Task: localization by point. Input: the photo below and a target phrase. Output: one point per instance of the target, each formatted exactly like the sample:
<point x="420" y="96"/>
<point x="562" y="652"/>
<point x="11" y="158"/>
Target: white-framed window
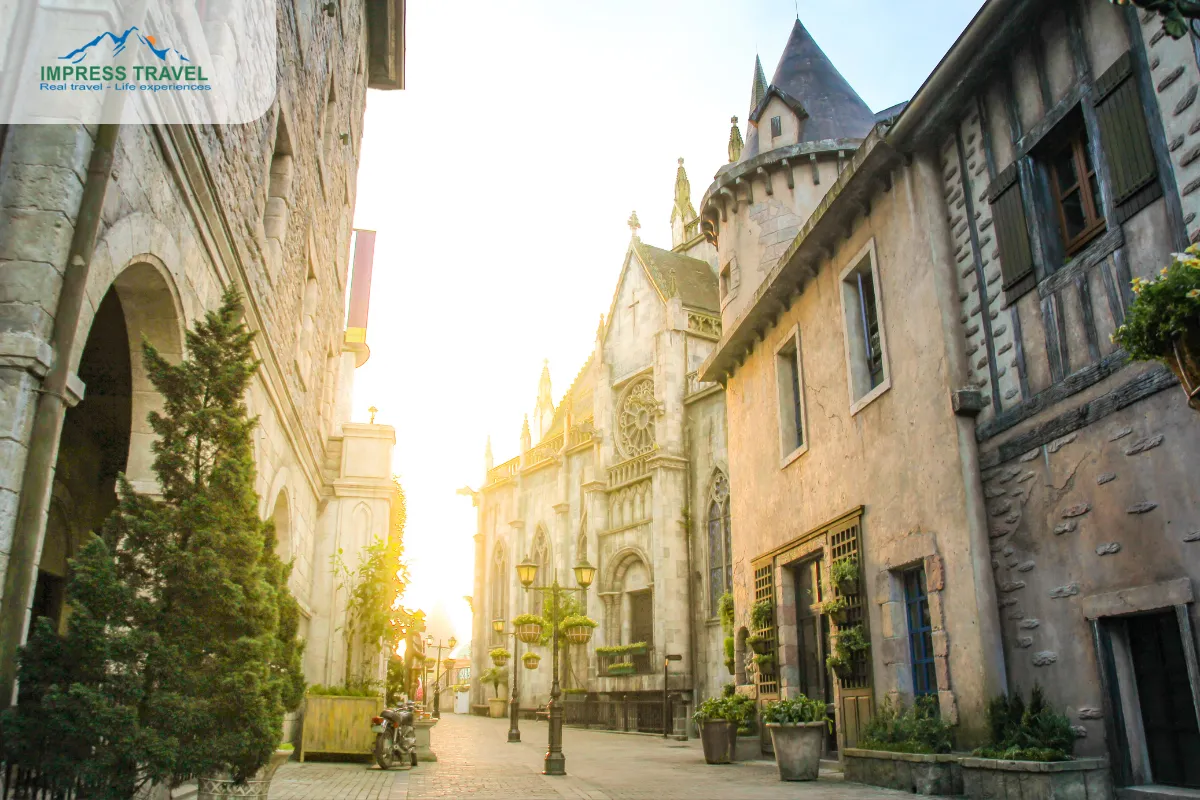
<point x="865" y="335"/>
<point x="789" y="383"/>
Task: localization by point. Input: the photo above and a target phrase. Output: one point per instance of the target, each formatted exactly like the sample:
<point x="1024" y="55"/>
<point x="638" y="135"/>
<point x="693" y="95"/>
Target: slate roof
<point x="807" y="77"/>
<point x="694" y="281"/>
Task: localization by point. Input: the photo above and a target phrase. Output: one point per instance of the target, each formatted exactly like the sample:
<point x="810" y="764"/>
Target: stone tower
<point x="683" y="214"/>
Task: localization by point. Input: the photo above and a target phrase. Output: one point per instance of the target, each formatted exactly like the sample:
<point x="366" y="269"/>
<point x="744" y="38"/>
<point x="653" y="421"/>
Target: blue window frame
<point x="920" y="632"/>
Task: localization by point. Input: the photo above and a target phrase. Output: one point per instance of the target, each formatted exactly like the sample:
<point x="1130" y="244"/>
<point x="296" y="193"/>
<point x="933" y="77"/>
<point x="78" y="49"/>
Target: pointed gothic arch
<point x="720" y="540"/>
<point x="540" y="554"/>
<point x="499" y="586"/>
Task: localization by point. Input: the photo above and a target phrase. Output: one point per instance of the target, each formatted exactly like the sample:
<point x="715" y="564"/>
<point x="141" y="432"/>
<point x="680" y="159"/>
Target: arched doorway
<point x="106" y="433"/>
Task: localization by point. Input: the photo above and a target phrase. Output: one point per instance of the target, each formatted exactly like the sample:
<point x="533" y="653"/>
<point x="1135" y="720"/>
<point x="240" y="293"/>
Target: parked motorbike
<point x="395" y="737"/>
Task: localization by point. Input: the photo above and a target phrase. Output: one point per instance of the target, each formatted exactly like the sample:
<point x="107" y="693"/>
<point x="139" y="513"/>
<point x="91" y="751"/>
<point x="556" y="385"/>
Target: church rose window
<point x="636" y="421"/>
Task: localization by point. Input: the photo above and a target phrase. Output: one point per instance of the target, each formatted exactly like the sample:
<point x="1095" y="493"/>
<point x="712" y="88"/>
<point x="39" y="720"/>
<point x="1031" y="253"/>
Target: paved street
<point x="476" y="762"/>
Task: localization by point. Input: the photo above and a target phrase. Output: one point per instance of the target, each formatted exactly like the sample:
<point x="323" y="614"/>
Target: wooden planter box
<point x="339" y="725"/>
<point x="906" y="772"/>
<point x="1081" y="779"/>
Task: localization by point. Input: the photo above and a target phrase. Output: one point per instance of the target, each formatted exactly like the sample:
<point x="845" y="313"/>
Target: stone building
<point x="109" y="234"/>
<point x="921" y="376"/>
<point x="628" y="471"/>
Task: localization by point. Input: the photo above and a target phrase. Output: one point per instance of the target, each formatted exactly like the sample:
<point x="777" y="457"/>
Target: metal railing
<point x="630" y="712"/>
<point x="21" y="783"/>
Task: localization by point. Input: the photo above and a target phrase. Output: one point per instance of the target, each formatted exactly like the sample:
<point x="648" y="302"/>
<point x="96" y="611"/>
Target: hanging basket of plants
<point x="529" y="628"/>
<point x="578" y="629"/>
<point x="844" y="573"/>
<point x="841" y="668"/>
<point x="1163" y="321"/>
<point x="531" y="660"/>
<point x="500" y="656"/>
<point x="838" y="610"/>
<point x="621" y="668"/>
<point x="759" y="644"/>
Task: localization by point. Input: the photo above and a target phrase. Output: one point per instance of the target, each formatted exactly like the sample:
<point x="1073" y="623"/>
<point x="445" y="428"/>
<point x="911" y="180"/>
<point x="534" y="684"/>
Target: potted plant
<point x="907" y="749"/>
<point x="797" y="727"/>
<point x="1163" y="321"/>
<point x="497" y="677"/>
<point x="531" y="660"/>
<point x="1020" y="734"/>
<point x="500" y="656"/>
<point x="838" y="610"/>
<point x="844" y="574"/>
<point x="850" y="642"/>
<point x="578" y="628"/>
<point x="730" y="662"/>
<point x="621" y="668"/>
<point x="759" y="644"/>
<point x="762" y="615"/>
<point x="765" y="663"/>
<point x="529" y="627"/>
<point x="717" y="720"/>
<point x="725" y="613"/>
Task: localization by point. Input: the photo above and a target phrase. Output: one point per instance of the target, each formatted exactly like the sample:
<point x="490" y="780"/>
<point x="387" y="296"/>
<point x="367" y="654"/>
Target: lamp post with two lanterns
<point x="514" y="710"/>
<point x="437" y="689"/>
<point x="556" y="762"/>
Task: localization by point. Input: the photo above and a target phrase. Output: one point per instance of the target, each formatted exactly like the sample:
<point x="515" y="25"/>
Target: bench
<point x="542" y="712"/>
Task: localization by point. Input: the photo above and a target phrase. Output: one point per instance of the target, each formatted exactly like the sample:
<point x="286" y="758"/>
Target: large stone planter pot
<point x="1082" y="779"/>
<point x="258" y="786"/>
<point x="906" y="772"/>
<point x="748" y="748"/>
<point x="798" y="749"/>
<point x="497" y="706"/>
<point x="716" y="737"/>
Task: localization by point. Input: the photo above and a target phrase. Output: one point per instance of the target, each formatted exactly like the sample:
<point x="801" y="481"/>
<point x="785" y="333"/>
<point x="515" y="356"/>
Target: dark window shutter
<point x="1124" y="136"/>
<point x="1012" y="230"/>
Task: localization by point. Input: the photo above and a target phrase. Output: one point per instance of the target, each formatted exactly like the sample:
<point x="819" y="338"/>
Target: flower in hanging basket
<point x="529" y="628"/>
<point x="1163" y="321"/>
<point x="578" y="628"/>
<point x="500" y="656"/>
<point x="531" y="660"/>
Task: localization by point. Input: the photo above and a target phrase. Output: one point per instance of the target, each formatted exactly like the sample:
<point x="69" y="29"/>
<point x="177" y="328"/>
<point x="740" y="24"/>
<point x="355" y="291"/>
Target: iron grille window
<point x="764" y="589"/>
<point x="776" y="127"/>
<point x="920" y="632"/>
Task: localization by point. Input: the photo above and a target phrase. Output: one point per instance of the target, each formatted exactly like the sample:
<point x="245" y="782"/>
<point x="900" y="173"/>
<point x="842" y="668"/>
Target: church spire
<point x="525" y="443"/>
<point x="735" y="142"/>
<point x="487" y="456"/>
<point x="543" y="414"/>
<point x="758" y="87"/>
<point x="684" y="212"/>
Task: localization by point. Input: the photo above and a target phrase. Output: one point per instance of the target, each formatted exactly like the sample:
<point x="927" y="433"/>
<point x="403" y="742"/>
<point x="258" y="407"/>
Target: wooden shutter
<point x="1012" y="229"/>
<point x="1126" y="139"/>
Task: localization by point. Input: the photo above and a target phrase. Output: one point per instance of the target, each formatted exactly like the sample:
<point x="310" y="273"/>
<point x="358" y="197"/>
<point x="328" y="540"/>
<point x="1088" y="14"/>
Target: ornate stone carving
<point x="704" y="324"/>
<point x="635" y="423"/>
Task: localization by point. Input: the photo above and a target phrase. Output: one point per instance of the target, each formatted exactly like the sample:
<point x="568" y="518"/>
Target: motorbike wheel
<point x="383" y="751"/>
<point x="414" y="757"/>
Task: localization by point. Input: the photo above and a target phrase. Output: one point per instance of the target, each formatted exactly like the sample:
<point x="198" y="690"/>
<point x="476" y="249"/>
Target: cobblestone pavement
<point x="476" y="762"/>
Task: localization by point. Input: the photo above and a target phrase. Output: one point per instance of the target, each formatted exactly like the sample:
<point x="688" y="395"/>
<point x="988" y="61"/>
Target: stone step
<point x="831" y="765"/>
<point x="1155" y="791"/>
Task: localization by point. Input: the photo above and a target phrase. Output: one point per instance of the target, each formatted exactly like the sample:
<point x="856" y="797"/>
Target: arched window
<point x="540" y="556"/>
<point x="720" y="546"/>
<point x="499" y="587"/>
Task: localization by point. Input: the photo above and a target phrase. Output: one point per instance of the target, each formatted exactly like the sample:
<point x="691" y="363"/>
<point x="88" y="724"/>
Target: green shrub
<point x="736" y="708"/>
<point x="728" y="690"/>
<point x="496" y="676"/>
<point x="761" y="615"/>
<point x="795" y="710"/>
<point x="1162" y="309"/>
<point x="917" y="729"/>
<point x="1027" y="733"/>
<point x="725" y="612"/>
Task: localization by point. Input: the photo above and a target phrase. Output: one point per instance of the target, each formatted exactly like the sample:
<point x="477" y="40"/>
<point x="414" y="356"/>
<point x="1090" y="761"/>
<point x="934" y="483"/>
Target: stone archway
<point x="106" y="433"/>
<point x="281" y="515"/>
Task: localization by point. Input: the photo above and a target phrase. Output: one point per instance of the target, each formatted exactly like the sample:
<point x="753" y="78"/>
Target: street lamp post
<point x="437" y="677"/>
<point x="556" y="762"/>
<point x="514" y="710"/>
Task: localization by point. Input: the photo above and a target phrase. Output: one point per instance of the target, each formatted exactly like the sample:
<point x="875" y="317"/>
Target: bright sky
<point x="500" y="181"/>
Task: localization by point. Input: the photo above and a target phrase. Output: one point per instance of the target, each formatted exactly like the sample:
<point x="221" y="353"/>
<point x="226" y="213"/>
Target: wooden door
<point x="855" y="694"/>
<point x="1165" y="694"/>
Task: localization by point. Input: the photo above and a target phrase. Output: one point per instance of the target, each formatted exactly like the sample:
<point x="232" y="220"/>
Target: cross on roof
<point x="633" y="223"/>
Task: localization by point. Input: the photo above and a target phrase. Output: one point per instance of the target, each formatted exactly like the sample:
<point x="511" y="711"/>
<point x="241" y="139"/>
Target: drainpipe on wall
<point x="38" y="477"/>
<point x="691" y="591"/>
<point x="930" y="200"/>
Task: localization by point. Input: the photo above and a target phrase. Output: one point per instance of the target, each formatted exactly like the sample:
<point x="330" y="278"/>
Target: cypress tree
<point x="180" y="657"/>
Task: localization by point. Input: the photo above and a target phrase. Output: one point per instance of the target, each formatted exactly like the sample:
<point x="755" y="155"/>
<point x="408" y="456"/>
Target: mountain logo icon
<point x="119" y="44"/>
